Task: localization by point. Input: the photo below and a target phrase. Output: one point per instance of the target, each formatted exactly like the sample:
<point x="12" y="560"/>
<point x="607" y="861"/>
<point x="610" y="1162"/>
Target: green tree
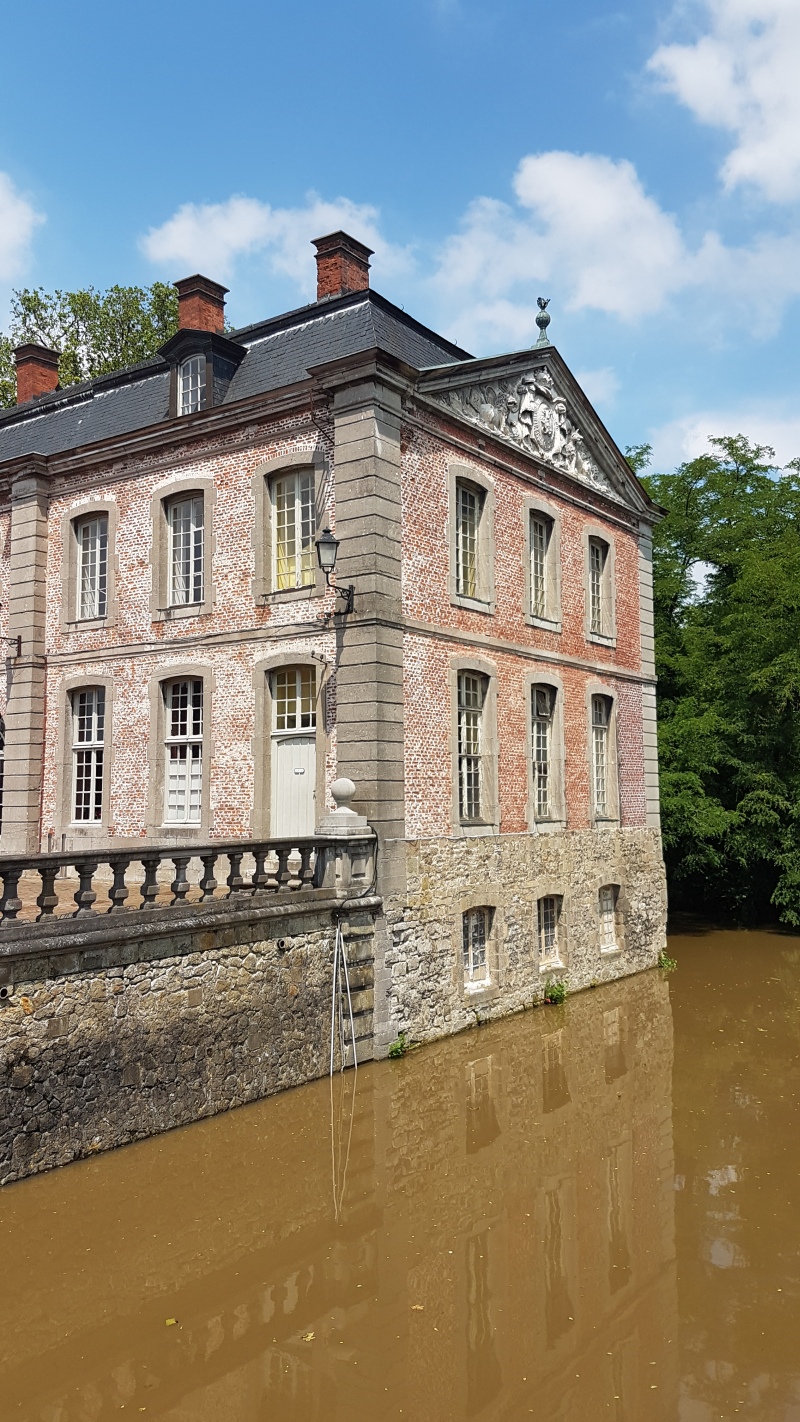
<point x="727" y="612"/>
<point x="95" y="331"/>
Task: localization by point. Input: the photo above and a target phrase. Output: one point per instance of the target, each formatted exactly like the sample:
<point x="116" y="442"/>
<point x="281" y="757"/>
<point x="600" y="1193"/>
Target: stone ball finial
<point x="543" y="319"/>
<point x="342" y="792"/>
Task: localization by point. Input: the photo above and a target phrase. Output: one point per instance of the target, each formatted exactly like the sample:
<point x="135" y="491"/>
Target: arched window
<point x="192" y="385"/>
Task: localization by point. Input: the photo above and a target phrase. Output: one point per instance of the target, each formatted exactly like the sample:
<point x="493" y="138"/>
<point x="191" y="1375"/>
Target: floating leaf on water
<point x="308" y="1337"/>
<point x="418" y="1308"/>
<point x="170" y="1321"/>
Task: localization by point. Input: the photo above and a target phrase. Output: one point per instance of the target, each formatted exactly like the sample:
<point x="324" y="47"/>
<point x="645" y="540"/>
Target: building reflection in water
<point x="484" y="1230"/>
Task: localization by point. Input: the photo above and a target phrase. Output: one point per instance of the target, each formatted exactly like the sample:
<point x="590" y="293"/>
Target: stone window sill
<point x="547" y="624"/>
<point x="610" y="823"/>
<point x="473" y="604"/>
<point x="476" y="831"/>
<point x="549" y="826"/>
<point x="553" y="965"/>
<point x="610" y="952"/>
<point x="87" y="624"/>
<point x="290" y="594"/>
<point x="182" y="610"/>
<point x="601" y="640"/>
<point x="478" y="987"/>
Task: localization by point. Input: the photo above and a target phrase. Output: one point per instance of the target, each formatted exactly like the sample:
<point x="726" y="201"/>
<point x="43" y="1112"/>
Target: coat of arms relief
<point x="529" y="411"/>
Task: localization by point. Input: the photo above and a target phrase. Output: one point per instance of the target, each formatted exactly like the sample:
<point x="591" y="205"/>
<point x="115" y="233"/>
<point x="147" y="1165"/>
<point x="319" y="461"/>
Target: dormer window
<point x="192" y="385"/>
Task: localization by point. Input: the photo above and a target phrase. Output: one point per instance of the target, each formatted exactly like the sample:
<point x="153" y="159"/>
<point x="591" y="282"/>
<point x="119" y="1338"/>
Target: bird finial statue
<point x="543" y="320"/>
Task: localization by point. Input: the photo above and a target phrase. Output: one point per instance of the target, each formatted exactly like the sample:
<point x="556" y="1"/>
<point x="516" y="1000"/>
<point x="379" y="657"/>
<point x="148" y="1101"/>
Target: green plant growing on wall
<point x="555" y="993"/>
<point x="665" y="963"/>
<point x="400" y="1047"/>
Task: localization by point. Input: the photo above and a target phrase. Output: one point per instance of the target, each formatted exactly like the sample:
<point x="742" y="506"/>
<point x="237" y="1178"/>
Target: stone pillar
<point x="27" y="671"/>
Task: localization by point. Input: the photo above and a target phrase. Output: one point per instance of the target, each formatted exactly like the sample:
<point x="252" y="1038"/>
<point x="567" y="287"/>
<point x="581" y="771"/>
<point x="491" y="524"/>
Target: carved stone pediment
<point x="528" y="410"/>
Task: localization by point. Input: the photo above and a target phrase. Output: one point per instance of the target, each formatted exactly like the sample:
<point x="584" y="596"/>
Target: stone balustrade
<point x="98" y="883"/>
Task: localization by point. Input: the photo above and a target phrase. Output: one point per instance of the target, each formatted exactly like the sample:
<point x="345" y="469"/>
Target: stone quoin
<point x="181" y="670"/>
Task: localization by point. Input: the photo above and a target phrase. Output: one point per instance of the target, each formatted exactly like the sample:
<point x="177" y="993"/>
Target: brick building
<point x="179" y="671"/>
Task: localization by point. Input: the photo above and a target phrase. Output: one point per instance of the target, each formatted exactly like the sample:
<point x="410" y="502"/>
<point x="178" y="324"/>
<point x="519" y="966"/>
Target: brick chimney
<point x="342" y="265"/>
<point x="37" y="371"/>
<point x="201" y="304"/>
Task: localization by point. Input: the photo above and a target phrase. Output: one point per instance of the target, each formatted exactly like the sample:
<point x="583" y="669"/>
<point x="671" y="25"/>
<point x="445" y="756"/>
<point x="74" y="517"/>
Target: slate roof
<point x="279" y="353"/>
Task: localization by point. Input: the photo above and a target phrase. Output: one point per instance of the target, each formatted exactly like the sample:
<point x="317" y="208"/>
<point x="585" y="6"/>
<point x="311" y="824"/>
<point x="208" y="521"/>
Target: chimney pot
<point x="342" y="265"/>
<point x="201" y="304"/>
<point x="37" y="371"/>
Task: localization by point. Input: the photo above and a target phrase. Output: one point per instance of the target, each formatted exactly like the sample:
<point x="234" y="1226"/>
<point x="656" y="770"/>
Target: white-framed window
<point x="183" y="768"/>
<point x="471" y="700"/>
<point x="549" y="916"/>
<point x="598" y="594"/>
<point x="542" y="706"/>
<point x="607" y="905"/>
<point x="294" y="699"/>
<point x="186" y="540"/>
<point x="601" y="724"/>
<point x="475" y="924"/>
<point x="469" y="506"/>
<point x="295" y="529"/>
<point x="88" y="746"/>
<point x="192" y="385"/>
<point x="541" y="534"/>
<point x="91" y="535"/>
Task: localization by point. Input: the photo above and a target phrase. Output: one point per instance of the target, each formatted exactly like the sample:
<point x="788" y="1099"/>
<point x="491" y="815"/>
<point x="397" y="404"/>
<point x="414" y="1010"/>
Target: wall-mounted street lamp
<point x="327" y="549"/>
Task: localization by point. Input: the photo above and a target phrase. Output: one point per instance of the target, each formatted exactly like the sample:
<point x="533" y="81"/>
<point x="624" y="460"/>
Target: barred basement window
<point x="88" y="737"/>
<point x="183" y="779"/>
<point x="92" y="566"/>
<point x="469" y="505"/>
<point x="471" y="698"/>
<point x="474" y="938"/>
<point x="601" y="718"/>
<point x="598" y="593"/>
<point x="549" y="914"/>
<point x="192" y="385"/>
<point x="542" y="704"/>
<point x="186" y="535"/>
<point x="607" y="903"/>
<point x="295" y="530"/>
<point x="541" y="534"/>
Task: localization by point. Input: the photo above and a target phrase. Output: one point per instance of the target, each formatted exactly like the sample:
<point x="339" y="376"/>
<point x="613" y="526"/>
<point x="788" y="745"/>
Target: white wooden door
<point x="294" y="767"/>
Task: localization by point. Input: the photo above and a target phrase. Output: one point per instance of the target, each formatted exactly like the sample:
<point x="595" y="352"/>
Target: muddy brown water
<point x="584" y="1212"/>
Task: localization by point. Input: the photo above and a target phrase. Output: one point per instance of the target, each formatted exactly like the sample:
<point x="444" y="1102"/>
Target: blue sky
<point x="638" y="163"/>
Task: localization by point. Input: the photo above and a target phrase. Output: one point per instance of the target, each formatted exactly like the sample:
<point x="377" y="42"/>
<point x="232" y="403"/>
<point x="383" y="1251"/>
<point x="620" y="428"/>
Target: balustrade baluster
<point x="306" y="867"/>
<point x="11" y="903"/>
<point x="208" y="883"/>
<point x="119" y="890"/>
<point x="149" y="889"/>
<point x="85" y="896"/>
<point x="47" y="899"/>
<point x="235" y="881"/>
<point x="284" y="873"/>
<point x="262" y="879"/>
<point x="180" y="884"/>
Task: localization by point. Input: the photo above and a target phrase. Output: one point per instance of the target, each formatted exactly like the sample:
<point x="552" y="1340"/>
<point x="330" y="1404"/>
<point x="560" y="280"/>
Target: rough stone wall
<point x="420" y="982"/>
<point x="93" y="1059"/>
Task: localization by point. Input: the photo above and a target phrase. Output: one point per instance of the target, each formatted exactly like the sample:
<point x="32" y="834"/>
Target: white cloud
<point x="18" y="222"/>
<point x="688" y="436"/>
<point x="741" y="75"/>
<point x="601" y="386"/>
<point x="210" y="237"/>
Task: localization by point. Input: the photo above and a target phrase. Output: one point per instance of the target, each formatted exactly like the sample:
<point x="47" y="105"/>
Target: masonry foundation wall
<point x="160" y="1033"/>
<point x="419" y="980"/>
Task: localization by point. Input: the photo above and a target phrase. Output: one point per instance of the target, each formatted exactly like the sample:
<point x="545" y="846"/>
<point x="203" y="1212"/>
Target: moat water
<point x="585" y="1212"/>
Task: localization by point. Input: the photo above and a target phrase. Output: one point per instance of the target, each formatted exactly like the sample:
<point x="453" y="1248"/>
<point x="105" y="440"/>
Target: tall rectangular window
<point x="92" y="590"/>
<point x="186" y="536"/>
<point x="192" y="385"/>
<point x="471" y="697"/>
<point x="607" y="904"/>
<point x="542" y="700"/>
<point x="549" y="912"/>
<point x="541" y="530"/>
<point x="88" y="739"/>
<point x="474" y="935"/>
<point x="295" y="529"/>
<point x="598" y="553"/>
<point x="469" y="503"/>
<point x="183" y="777"/>
<point x="600" y="727"/>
